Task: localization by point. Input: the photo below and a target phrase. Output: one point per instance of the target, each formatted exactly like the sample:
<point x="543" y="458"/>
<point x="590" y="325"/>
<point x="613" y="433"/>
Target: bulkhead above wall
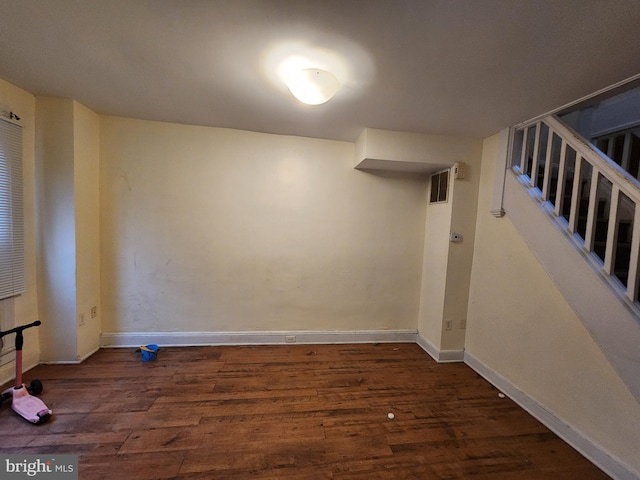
<point x="384" y="150"/>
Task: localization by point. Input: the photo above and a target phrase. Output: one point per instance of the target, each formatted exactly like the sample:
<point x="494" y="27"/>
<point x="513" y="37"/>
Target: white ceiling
<point x="463" y="67"/>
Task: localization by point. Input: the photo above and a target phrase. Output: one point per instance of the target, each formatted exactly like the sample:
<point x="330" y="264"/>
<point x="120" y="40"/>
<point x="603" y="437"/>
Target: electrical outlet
<point x="448" y="324"/>
<point x="290" y="339"/>
<point x="81" y="320"/>
<point x="463" y="324"/>
<point x="94" y="312"/>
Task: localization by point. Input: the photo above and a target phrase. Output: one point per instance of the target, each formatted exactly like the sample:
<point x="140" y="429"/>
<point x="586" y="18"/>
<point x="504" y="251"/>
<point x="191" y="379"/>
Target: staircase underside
<point x="612" y="320"/>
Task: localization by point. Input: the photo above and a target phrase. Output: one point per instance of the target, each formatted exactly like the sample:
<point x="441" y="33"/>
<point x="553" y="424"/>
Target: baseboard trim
<point x="440" y="356"/>
<point x="79" y="359"/>
<point x="87" y="355"/>
<point x="183" y="339"/>
<point x="612" y="466"/>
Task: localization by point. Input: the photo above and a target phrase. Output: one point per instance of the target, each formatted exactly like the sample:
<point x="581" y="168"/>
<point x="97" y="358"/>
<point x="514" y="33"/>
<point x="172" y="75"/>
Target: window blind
<point x="7" y="344"/>
<point x="12" y="269"/>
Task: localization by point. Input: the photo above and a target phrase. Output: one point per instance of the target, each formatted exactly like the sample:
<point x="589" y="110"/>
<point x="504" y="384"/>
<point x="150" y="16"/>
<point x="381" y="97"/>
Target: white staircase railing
<point x="596" y="200"/>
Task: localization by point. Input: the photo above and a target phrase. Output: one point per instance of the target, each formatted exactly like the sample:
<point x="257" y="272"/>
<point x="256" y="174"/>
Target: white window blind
<point x="7" y="344"/>
<point x="12" y="270"/>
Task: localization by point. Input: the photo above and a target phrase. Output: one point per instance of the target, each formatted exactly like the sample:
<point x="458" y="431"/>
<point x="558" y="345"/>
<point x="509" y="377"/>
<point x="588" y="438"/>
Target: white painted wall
<point x="26" y="305"/>
<point x="520" y="326"/>
<point x="207" y="229"/>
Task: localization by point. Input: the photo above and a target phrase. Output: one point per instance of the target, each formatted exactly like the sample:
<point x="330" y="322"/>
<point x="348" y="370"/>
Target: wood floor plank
<point x="290" y="412"/>
<point x="141" y="466"/>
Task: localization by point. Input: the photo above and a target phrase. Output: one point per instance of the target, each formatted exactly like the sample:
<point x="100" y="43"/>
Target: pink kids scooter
<point x="24" y="403"/>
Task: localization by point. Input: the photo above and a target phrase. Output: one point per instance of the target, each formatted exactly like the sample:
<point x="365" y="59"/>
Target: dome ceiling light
<point x="313" y="86"/>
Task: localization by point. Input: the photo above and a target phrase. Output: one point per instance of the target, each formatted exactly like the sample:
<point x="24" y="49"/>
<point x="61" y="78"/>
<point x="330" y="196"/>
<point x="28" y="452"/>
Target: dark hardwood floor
<point x="294" y="412"/>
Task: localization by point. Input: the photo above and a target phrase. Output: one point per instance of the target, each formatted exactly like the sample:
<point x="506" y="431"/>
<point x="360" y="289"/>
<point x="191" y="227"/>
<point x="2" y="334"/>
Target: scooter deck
<point x="26" y="405"/>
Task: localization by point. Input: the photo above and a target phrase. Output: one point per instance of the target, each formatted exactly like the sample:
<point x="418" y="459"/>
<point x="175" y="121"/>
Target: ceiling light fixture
<point x="313" y="86"/>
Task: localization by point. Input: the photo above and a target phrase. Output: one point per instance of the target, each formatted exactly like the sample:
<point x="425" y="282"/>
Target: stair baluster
<point x="594" y="195"/>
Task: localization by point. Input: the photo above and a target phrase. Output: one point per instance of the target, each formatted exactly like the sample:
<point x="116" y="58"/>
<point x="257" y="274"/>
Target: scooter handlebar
<point x="20" y="328"/>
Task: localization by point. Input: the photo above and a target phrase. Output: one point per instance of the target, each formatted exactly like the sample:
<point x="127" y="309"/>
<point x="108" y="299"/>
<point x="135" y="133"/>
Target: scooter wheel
<point x="35" y="387"/>
<point x="42" y="418"/>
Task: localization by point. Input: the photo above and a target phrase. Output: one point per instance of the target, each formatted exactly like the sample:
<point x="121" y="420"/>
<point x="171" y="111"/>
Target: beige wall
<point x="463" y="221"/>
<point x="207" y="229"/>
<point x="86" y="126"/>
<point x="26" y="305"/>
<point x="434" y="271"/>
<point x="520" y="326"/>
<point x="56" y="223"/>
<point x="67" y="152"/>
<point x="446" y="265"/>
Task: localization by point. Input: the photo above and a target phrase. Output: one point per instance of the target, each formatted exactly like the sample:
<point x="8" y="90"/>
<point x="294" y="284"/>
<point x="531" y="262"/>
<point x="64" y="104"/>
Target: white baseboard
<point x="77" y="361"/>
<point x="612" y="466"/>
<point x="87" y="355"/>
<point x="171" y="339"/>
<point x="440" y="356"/>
